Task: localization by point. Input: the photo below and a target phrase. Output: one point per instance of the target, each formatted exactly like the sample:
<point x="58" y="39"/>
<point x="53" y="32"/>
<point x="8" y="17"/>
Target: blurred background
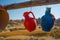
<point x="15" y="29"/>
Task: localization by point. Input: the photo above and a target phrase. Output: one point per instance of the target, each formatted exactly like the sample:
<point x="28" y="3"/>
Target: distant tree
<point x="11" y="22"/>
<point x="57" y="22"/>
<point x="38" y="21"/>
<point x="22" y="20"/>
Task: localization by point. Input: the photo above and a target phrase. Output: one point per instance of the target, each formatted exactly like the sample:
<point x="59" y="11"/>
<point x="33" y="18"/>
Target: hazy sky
<point x="38" y="11"/>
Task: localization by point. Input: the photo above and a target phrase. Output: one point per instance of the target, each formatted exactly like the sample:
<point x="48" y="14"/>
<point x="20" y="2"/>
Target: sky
<point x="39" y="11"/>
